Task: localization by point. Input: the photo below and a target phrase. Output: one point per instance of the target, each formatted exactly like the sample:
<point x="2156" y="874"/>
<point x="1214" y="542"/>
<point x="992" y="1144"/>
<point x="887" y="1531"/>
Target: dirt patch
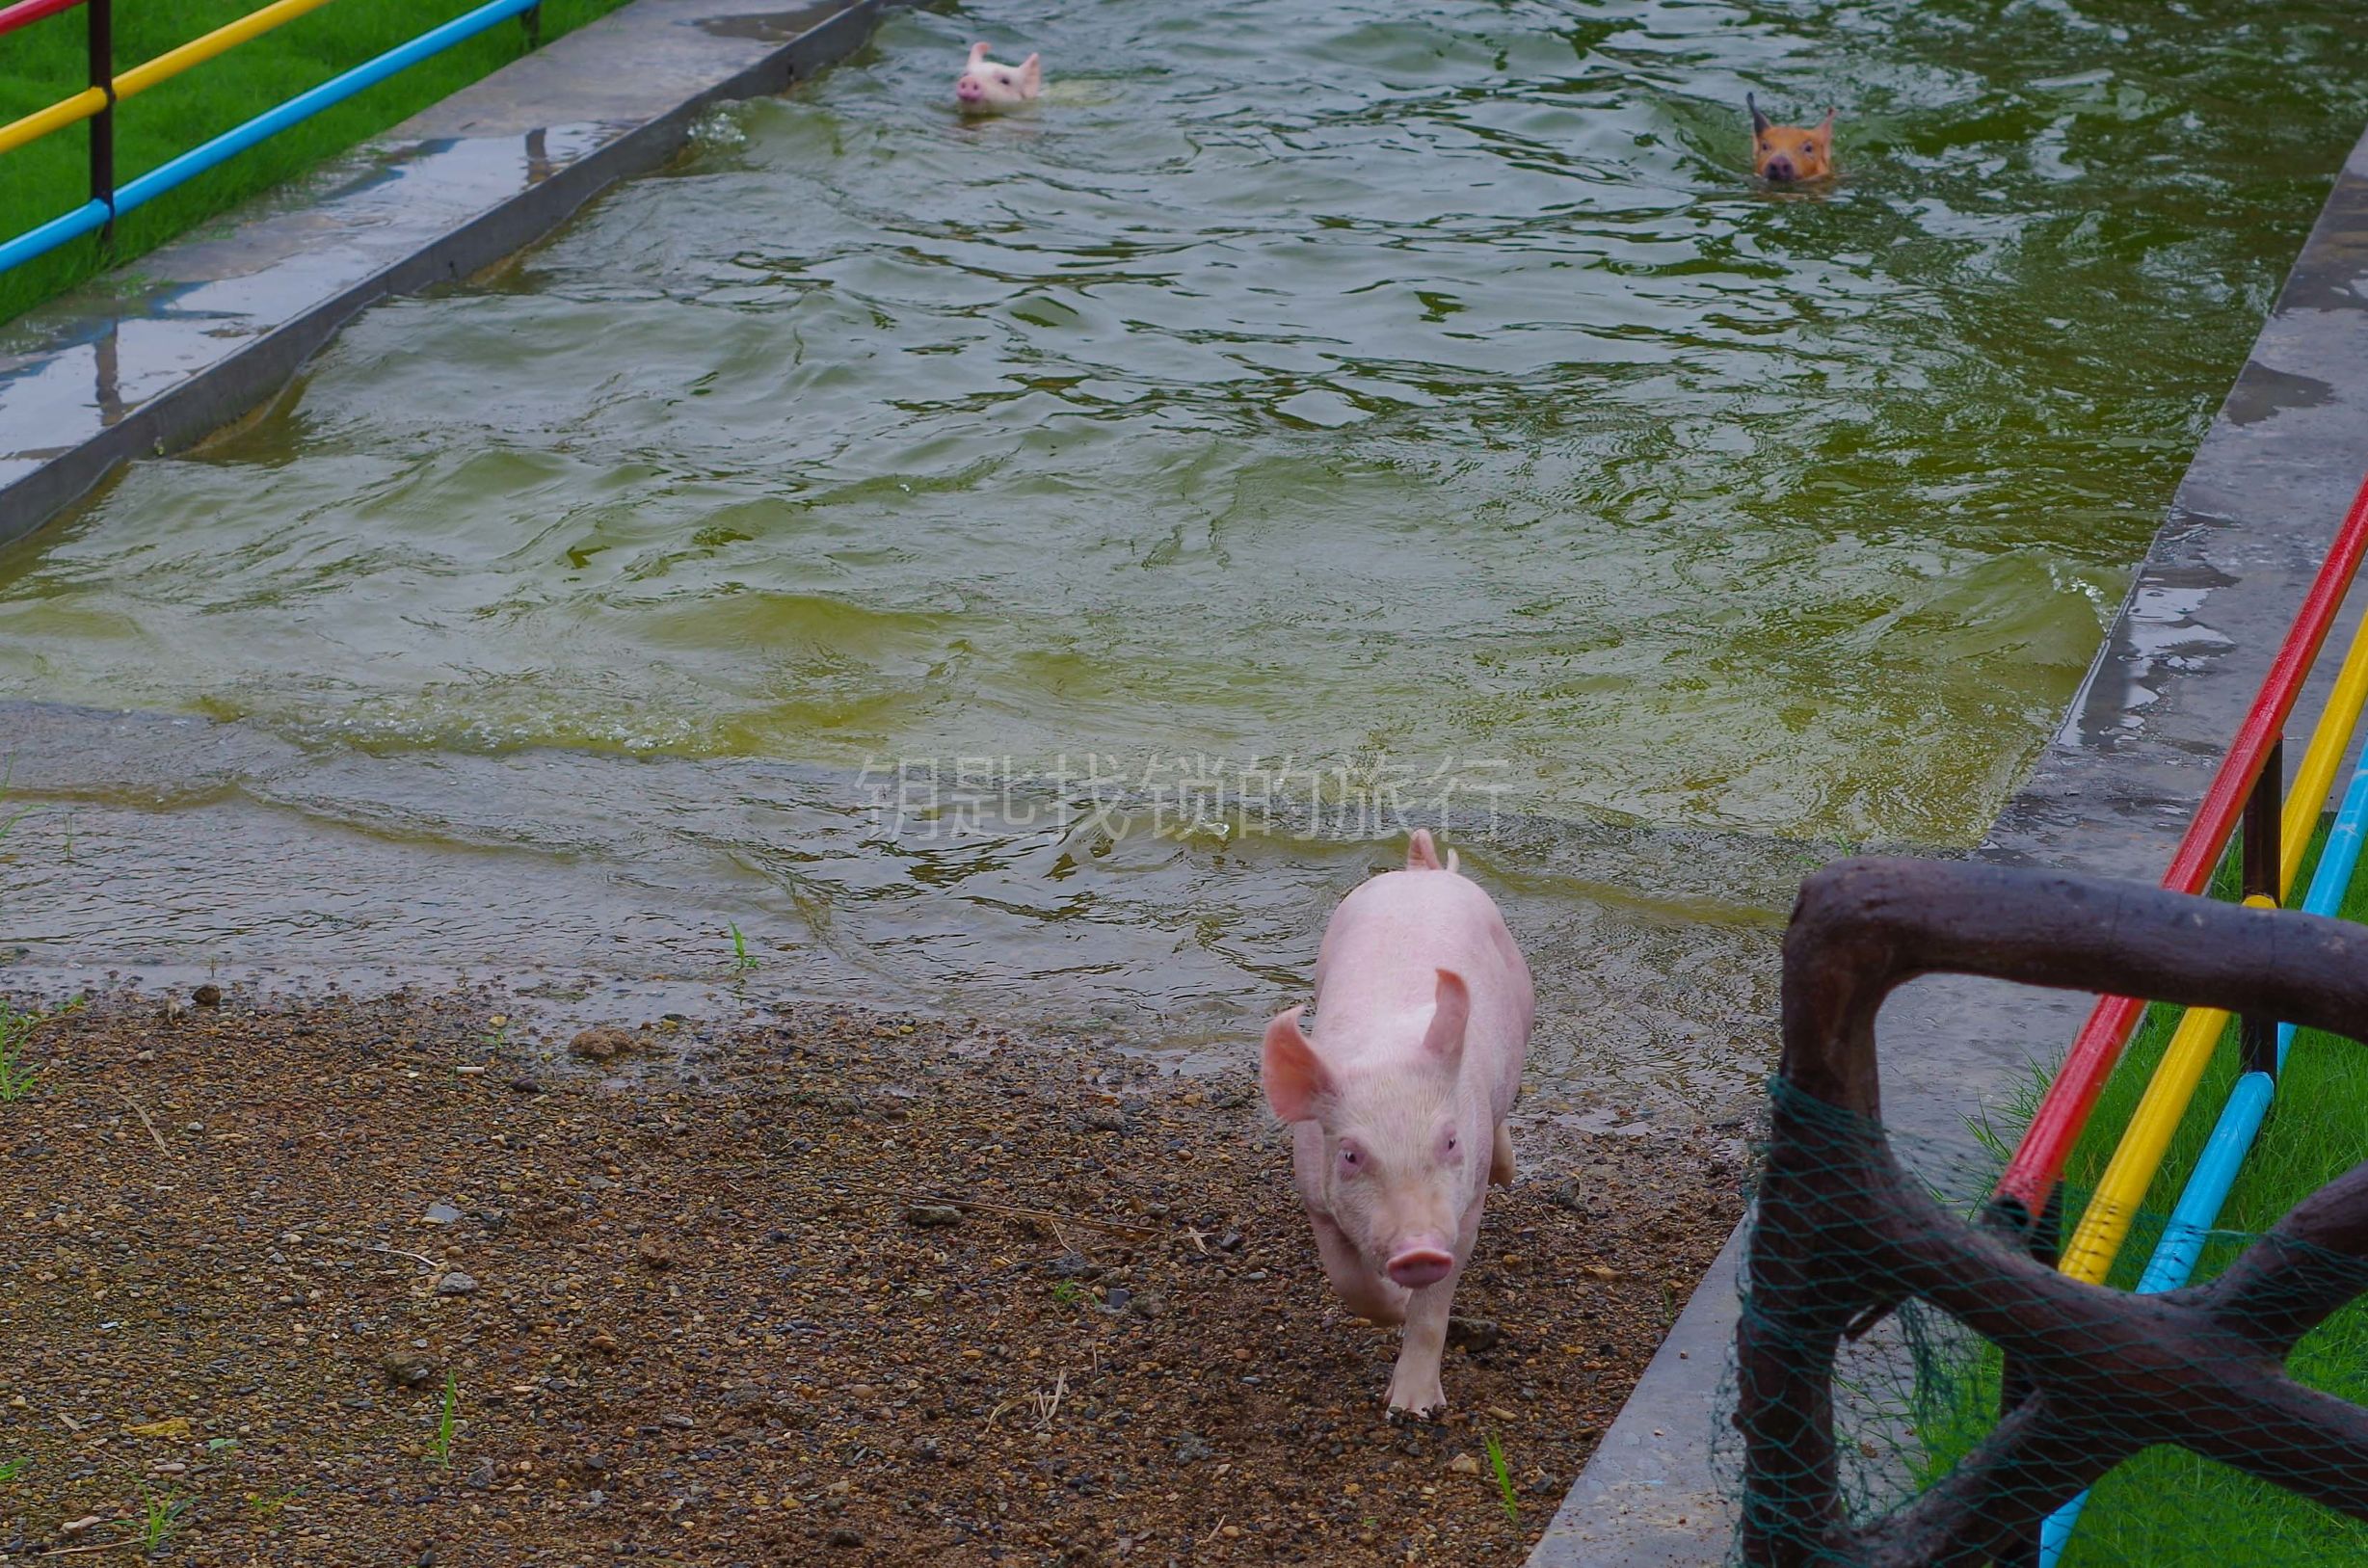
<point x="368" y="1282"/>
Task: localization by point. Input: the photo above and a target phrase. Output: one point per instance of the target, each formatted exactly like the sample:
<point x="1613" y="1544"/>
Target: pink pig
<point x="985" y="87"/>
<point x="1397" y="1104"/>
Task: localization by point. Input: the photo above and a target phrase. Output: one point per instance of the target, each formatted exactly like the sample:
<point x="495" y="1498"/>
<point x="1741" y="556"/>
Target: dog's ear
<point x="1759" y="120"/>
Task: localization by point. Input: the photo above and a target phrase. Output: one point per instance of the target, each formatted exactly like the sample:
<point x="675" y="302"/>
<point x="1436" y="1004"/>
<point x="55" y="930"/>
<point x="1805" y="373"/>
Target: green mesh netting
<point x="1916" y="1393"/>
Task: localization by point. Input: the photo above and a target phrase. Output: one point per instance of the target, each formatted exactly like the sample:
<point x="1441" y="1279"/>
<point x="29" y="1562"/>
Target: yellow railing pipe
<point x="56" y="117"/>
<point x="149" y="72"/>
<point x="196" y="51"/>
<point x="2317" y="775"/>
<point x="2105" y="1224"/>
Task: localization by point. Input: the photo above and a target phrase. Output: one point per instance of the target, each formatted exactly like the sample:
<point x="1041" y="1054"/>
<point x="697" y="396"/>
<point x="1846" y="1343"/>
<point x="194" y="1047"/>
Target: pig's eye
<point x="1450" y="1143"/>
<point x="1352" y="1159"/>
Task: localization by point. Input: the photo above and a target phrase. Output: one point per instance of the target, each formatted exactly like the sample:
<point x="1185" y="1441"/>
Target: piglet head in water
<point x="1790" y="154"/>
<point x="1398" y="1102"/>
<point x="986" y="88"/>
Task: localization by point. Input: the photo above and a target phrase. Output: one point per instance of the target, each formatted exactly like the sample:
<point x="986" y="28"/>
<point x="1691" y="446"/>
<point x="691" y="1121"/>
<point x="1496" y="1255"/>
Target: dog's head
<point x="1787" y="154"/>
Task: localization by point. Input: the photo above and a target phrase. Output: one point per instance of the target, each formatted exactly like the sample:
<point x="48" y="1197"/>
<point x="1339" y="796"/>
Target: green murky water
<point x="1412" y="394"/>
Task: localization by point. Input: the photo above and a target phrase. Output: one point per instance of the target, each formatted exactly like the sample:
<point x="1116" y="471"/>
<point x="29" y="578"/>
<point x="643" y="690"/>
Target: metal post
<point x="98" y="18"/>
<point x="2264" y="810"/>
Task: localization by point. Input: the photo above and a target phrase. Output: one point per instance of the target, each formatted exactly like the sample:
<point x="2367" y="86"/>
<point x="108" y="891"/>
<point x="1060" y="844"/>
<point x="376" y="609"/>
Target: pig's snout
<point x="1780" y="168"/>
<point x="1419" y="1265"/>
<point x="968" y="89"/>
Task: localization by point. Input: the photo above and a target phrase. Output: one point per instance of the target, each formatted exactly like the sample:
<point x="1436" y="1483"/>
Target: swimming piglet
<point x="1398" y="1102"/>
<point x="987" y="88"/>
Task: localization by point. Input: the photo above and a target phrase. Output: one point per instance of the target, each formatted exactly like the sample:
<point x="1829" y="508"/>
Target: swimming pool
<point x="1021" y="566"/>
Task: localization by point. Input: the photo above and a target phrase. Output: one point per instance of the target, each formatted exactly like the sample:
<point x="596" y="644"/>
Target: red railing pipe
<point x="25" y="13"/>
<point x="2039" y="1161"/>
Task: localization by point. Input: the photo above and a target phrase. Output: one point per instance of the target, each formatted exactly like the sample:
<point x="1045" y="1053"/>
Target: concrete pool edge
<point x="194" y="336"/>
<point x="2111" y="793"/>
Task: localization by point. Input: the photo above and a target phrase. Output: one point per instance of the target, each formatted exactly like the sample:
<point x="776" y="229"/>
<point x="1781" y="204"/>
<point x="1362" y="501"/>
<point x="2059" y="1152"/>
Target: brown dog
<point x="1788" y="154"/>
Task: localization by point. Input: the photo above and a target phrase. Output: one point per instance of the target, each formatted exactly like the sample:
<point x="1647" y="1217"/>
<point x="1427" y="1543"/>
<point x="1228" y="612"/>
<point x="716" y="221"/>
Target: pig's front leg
<point x="1365" y="1289"/>
<point x="1413" y="1382"/>
<point x="1500" y="1158"/>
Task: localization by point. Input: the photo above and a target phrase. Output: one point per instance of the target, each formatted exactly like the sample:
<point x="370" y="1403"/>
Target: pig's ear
<point x="1759" y="120"/>
<point x="1824" y="128"/>
<point x="1294" y="1078"/>
<point x="1451" y="1012"/>
<point x="978" y="52"/>
<point x="1032" y="72"/>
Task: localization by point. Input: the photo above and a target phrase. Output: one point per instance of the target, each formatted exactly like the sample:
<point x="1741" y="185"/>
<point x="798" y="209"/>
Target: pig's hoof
<point x="1417" y="1396"/>
<point x="1407" y="1415"/>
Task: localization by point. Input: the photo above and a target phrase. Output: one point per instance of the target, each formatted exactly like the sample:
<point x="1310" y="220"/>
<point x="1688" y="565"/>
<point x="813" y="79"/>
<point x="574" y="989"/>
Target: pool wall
<point x="196" y="334"/>
<point x="2111" y="794"/>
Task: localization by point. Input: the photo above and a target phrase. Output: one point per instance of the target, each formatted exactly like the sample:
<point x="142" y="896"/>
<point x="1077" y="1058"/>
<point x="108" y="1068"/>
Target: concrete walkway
<point x="193" y="335"/>
<point x="2111" y="795"/>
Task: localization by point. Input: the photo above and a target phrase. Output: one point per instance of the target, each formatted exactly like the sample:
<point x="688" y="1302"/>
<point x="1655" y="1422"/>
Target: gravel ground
<point x="384" y="1282"/>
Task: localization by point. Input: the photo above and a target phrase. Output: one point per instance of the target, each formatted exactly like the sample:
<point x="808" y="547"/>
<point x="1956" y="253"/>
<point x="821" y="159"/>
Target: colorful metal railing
<point x="2028" y="1188"/>
<point x="2248" y="1107"/>
<point x="2278" y="838"/>
<point x="96" y="103"/>
<point x="2105" y="1223"/>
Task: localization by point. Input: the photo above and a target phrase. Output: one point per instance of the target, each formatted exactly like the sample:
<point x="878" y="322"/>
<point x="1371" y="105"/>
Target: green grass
<point x="44" y="63"/>
<point x="11" y="1469"/>
<point x="1505" y="1478"/>
<point x="447" y="1425"/>
<point x="16" y="1075"/>
<point x="9" y="817"/>
<point x="2167" y="1505"/>
<point x="158" y="1520"/>
<point x="742" y="960"/>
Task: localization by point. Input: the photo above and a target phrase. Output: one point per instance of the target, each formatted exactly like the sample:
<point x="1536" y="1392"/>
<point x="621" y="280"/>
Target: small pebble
<point x="1474" y="1334"/>
<point x="408" y="1368"/>
<point x="601" y="1045"/>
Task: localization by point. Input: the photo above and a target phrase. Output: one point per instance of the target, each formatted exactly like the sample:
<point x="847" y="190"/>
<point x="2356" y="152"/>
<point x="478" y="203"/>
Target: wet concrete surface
<point x="2111" y="795"/>
<point x="199" y="332"/>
